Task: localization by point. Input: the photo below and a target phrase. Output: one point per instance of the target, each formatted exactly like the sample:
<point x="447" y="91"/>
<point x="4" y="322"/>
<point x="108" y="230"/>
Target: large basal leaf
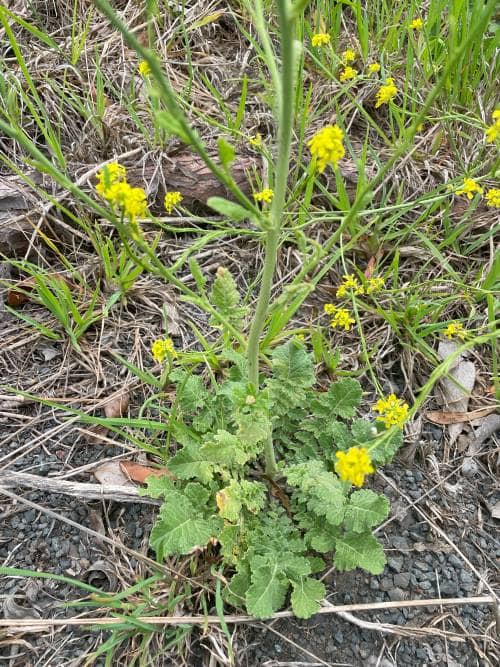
<point x="306" y="596"/>
<point x="266" y="593"/>
<point x="181" y="527"/>
<point x="187" y="464"/>
<point x="361" y="550"/>
<point x="341" y="399"/>
<point x="365" y="510"/>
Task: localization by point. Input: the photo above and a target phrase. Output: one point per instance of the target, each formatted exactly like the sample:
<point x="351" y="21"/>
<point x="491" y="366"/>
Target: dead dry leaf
<point x="458" y="417"/>
<point x="457" y="386"/>
<point x="111" y="474"/>
<point x="139" y="473"/>
<point x="495" y="510"/>
<point x="117" y="405"/>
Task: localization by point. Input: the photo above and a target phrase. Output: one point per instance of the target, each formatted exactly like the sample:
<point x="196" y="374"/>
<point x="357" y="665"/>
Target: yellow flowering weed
<point x="455" y="330"/>
<point x="493" y="131"/>
<point x="416" y="24"/>
<point x="109" y="175"/>
<point x="353" y="466"/>
<point x="326" y="146"/>
<point x="348" y="56"/>
<point x="348" y="73"/>
<point x="386" y="93"/>
<point x="320" y="39"/>
<point x="493" y="198"/>
<point x="373" y="68"/>
<point x="469" y="188"/>
<point x="342" y="319"/>
<point x="265" y="195"/>
<point x="172" y="199"/>
<point x="163" y="349"/>
<point x="392" y="411"/>
<point x="375" y="284"/>
<point x="144" y="68"/>
<point x="350" y="282"/>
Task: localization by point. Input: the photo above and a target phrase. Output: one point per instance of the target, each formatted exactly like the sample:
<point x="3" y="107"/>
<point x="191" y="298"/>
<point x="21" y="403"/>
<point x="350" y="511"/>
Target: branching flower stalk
<point x="284" y="122"/>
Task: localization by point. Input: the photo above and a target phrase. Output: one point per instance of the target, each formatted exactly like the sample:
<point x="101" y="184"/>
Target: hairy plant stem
<point x="285" y="126"/>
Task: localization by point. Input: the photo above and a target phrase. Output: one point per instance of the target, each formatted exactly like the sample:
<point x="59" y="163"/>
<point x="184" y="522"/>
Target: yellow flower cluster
<point x="348" y="56"/>
<point x="373" y="68"/>
<point x="348" y="73"/>
<point x="416" y="24"/>
<point x="386" y="93"/>
<point x="493" y="198"/>
<point x="256" y="140"/>
<point x="265" y="195"/>
<point x="469" y="188"/>
<point x="326" y="146"/>
<point x="392" y="411"/>
<point x="350" y="283"/>
<point x="163" y="349"/>
<point x="353" y="466"/>
<point x="375" y="285"/>
<point x="144" y="68"/>
<point x="113" y="187"/>
<point x="493" y="131"/>
<point x="320" y="39"/>
<point x="455" y="330"/>
<point x="341" y="318"/>
<point x="172" y="199"/>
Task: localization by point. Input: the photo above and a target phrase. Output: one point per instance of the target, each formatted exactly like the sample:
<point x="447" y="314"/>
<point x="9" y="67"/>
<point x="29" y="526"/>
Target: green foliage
<point x="225" y="296"/>
<point x="270" y="532"/>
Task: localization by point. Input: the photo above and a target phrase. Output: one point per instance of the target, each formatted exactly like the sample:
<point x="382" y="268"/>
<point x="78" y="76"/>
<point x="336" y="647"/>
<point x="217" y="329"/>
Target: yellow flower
<point x="320" y="39"/>
<point x="493" y="197"/>
<point x="131" y="201"/>
<point x="373" y="68"/>
<point x="353" y="465"/>
<point x="493" y="131"/>
<point x="171" y="200"/>
<point x="144" y="68"/>
<point x="256" y="140"/>
<point x="392" y="411"/>
<point x="375" y="285"/>
<point x="455" y="330"/>
<point x="265" y="195"/>
<point x="386" y="93"/>
<point x="109" y="175"/>
<point x="329" y="308"/>
<point x="469" y="188"/>
<point x="350" y="283"/>
<point x="326" y="146"/>
<point x="348" y="56"/>
<point x="348" y="73"/>
<point x="416" y="24"/>
<point x="342" y="318"/>
<point x="163" y="349"/>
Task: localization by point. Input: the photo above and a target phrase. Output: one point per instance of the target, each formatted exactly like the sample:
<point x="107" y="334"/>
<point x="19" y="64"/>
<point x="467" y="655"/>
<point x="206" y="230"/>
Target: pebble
<point x="402" y="579"/>
<point x="395" y="562"/>
<point x="397" y="594"/>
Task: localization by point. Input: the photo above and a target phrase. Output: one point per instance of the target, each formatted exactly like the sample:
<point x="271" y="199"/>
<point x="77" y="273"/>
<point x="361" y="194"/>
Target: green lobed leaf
<point x="181" y="527"/>
<point x="364" y="510"/>
<point x="359" y="550"/>
<point x="320" y="489"/>
<point x="306" y="596"/>
<point x="224" y="448"/>
<point x="266" y="593"/>
<point x="189" y="464"/>
<point x="342" y="399"/>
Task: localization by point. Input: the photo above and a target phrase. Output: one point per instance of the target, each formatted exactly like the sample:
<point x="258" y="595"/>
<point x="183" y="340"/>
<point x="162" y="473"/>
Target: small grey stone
<point x="386" y="584"/>
<point x="397" y="594"/>
<point x="466" y="577"/>
<point x="400" y="543"/>
<point x="425" y="585"/>
<point x="402" y="579"/>
<point x="449" y="588"/>
<point x="339" y="636"/>
<point x="395" y="563"/>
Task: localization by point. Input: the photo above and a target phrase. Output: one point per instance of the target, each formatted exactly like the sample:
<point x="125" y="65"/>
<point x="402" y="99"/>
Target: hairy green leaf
<point x="364" y="510"/>
<point x="359" y="550"/>
<point x="342" y="399"/>
<point x="266" y="593"/>
<point x="181" y="527"/>
<point x="189" y="464"/>
<point x="306" y="596"/>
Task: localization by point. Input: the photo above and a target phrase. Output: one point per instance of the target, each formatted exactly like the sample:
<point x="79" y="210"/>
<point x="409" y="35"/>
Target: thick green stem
<point x="285" y="95"/>
<point x="285" y="124"/>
